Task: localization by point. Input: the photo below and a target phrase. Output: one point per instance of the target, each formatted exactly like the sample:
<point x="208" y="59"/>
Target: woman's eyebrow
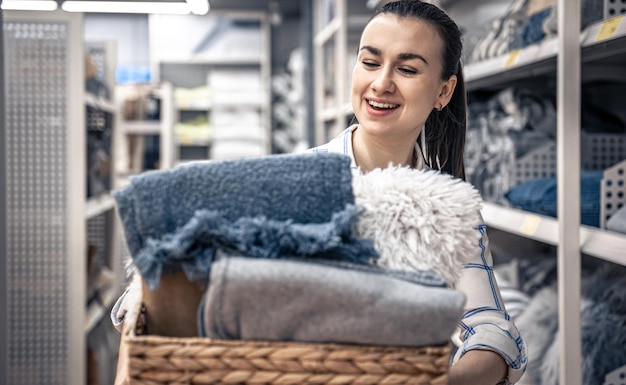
<point x="412" y="56"/>
<point x="372" y="50"/>
<point x="403" y="56"/>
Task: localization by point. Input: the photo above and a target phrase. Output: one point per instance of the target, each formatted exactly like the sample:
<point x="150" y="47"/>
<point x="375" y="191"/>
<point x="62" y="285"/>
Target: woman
<point x="408" y="96"/>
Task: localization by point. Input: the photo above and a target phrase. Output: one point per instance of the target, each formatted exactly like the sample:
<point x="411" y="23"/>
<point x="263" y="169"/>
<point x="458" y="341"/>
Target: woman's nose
<point x="383" y="81"/>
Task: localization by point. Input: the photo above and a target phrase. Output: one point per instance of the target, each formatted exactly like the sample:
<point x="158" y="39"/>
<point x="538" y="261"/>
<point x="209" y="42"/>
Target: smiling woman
<point x="409" y="99"/>
<point x="396" y="85"/>
<point x="416" y="75"/>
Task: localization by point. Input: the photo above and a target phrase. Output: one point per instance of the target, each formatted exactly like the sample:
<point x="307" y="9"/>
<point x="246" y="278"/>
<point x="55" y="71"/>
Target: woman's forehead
<point x="390" y="21"/>
<point x="389" y="31"/>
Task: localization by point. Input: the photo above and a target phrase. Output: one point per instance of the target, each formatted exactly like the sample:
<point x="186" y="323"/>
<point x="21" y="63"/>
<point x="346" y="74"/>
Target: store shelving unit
<point x="337" y="29"/>
<point x="597" y="52"/>
<point x="127" y="162"/>
<point x="602" y="54"/>
<point x="45" y="239"/>
<point x="58" y="220"/>
<point x="565" y="55"/>
<point x="329" y="50"/>
<point x="196" y="103"/>
<point x="105" y="279"/>
<point x="100" y="203"/>
<point x="193" y="68"/>
<point x="604" y="41"/>
<point x="594" y="242"/>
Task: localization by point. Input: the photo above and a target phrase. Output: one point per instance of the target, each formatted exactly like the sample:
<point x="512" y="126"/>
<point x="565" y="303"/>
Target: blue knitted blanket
<point x="265" y="207"/>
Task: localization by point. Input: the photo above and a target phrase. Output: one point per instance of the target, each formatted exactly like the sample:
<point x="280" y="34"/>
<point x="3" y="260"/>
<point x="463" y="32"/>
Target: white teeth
<point x="381" y="105"/>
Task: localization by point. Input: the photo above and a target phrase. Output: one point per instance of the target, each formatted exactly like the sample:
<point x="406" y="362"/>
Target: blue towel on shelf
<point x="264" y="207"/>
<point x="540" y="196"/>
<point x="532" y="30"/>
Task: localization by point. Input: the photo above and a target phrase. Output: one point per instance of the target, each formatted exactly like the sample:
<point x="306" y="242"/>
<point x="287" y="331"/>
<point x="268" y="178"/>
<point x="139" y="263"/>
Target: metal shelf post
<point x="568" y="193"/>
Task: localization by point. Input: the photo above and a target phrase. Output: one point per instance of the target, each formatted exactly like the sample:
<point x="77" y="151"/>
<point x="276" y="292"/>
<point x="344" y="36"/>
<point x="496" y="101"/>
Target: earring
<point x="440" y="107"/>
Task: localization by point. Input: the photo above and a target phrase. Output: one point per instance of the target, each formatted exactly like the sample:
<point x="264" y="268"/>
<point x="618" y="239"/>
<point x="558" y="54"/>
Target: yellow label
<point x="609" y="28"/>
<point x="530" y="224"/>
<point x="512" y="59"/>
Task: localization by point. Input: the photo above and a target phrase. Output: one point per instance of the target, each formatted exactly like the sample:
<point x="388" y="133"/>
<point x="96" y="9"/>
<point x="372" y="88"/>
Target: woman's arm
<point x="491" y="340"/>
<point x="121" y="375"/>
<point x="478" y="367"/>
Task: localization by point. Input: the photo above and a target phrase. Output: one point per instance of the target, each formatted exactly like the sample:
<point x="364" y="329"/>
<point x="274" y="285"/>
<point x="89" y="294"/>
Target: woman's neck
<point x="370" y="153"/>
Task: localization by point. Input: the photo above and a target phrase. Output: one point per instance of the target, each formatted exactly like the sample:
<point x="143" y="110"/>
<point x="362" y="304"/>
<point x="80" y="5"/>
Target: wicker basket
<point x="151" y="359"/>
<point x="162" y="360"/>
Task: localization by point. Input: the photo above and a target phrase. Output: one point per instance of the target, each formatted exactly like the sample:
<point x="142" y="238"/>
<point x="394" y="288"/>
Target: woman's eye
<point x="408" y="71"/>
<point x="370" y="64"/>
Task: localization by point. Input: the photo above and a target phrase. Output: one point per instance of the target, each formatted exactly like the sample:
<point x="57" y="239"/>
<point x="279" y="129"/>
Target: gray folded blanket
<point x="263" y="207"/>
<point x="300" y="300"/>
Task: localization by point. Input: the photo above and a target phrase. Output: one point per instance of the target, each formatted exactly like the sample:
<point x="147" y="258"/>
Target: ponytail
<point x="446" y="131"/>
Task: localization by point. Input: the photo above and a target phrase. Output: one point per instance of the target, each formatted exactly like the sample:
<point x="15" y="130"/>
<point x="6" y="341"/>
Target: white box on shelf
<point x="235" y="79"/>
<point x="235" y="117"/>
<point x="231" y="98"/>
<point x="240" y="132"/>
<point x="228" y="149"/>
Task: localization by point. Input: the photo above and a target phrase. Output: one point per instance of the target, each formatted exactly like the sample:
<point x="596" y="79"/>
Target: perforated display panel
<point x="614" y="8"/>
<point x="539" y="163"/>
<point x="99" y="243"/>
<point x="36" y="121"/>
<point x="600" y="151"/>
<point x="3" y="204"/>
<point x="612" y="192"/>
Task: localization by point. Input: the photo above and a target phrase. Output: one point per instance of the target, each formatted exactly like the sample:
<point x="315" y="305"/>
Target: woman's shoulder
<point x="341" y="143"/>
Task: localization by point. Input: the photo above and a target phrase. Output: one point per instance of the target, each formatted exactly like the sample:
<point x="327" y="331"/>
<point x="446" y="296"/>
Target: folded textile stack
<point x="308" y="273"/>
<point x="526" y="22"/>
<point x="287" y="247"/>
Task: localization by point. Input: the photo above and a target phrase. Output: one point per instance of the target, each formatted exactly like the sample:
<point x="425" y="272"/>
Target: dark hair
<point x="446" y="129"/>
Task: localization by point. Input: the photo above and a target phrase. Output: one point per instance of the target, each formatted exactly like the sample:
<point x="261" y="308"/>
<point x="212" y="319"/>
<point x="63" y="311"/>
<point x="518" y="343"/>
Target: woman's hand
<point x="478" y="367"/>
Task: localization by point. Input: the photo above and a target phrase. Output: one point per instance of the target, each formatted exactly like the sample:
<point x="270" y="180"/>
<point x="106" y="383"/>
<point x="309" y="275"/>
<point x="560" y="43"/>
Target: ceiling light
<point x="199" y="7"/>
<point x="29" y="5"/>
<point x="178" y="8"/>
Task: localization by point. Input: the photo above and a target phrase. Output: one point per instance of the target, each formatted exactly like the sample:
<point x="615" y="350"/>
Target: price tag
<point x="511" y="60"/>
<point x="530" y="224"/>
<point x="609" y="28"/>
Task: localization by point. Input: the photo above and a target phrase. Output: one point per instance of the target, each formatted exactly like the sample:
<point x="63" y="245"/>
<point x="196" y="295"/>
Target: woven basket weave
<point x="164" y="360"/>
<point x="152" y="359"/>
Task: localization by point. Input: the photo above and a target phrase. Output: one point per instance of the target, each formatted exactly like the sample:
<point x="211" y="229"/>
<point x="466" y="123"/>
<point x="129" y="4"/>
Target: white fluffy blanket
<point x="419" y="219"/>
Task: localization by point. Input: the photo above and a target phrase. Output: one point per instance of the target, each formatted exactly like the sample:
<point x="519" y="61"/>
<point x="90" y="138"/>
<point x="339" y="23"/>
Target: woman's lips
<point x="379" y="108"/>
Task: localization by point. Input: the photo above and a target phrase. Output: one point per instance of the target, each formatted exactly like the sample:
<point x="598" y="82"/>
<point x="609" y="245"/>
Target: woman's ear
<point x="446" y="91"/>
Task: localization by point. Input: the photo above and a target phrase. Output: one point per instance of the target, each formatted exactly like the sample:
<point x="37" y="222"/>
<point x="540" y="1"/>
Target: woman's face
<point x="396" y="82"/>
